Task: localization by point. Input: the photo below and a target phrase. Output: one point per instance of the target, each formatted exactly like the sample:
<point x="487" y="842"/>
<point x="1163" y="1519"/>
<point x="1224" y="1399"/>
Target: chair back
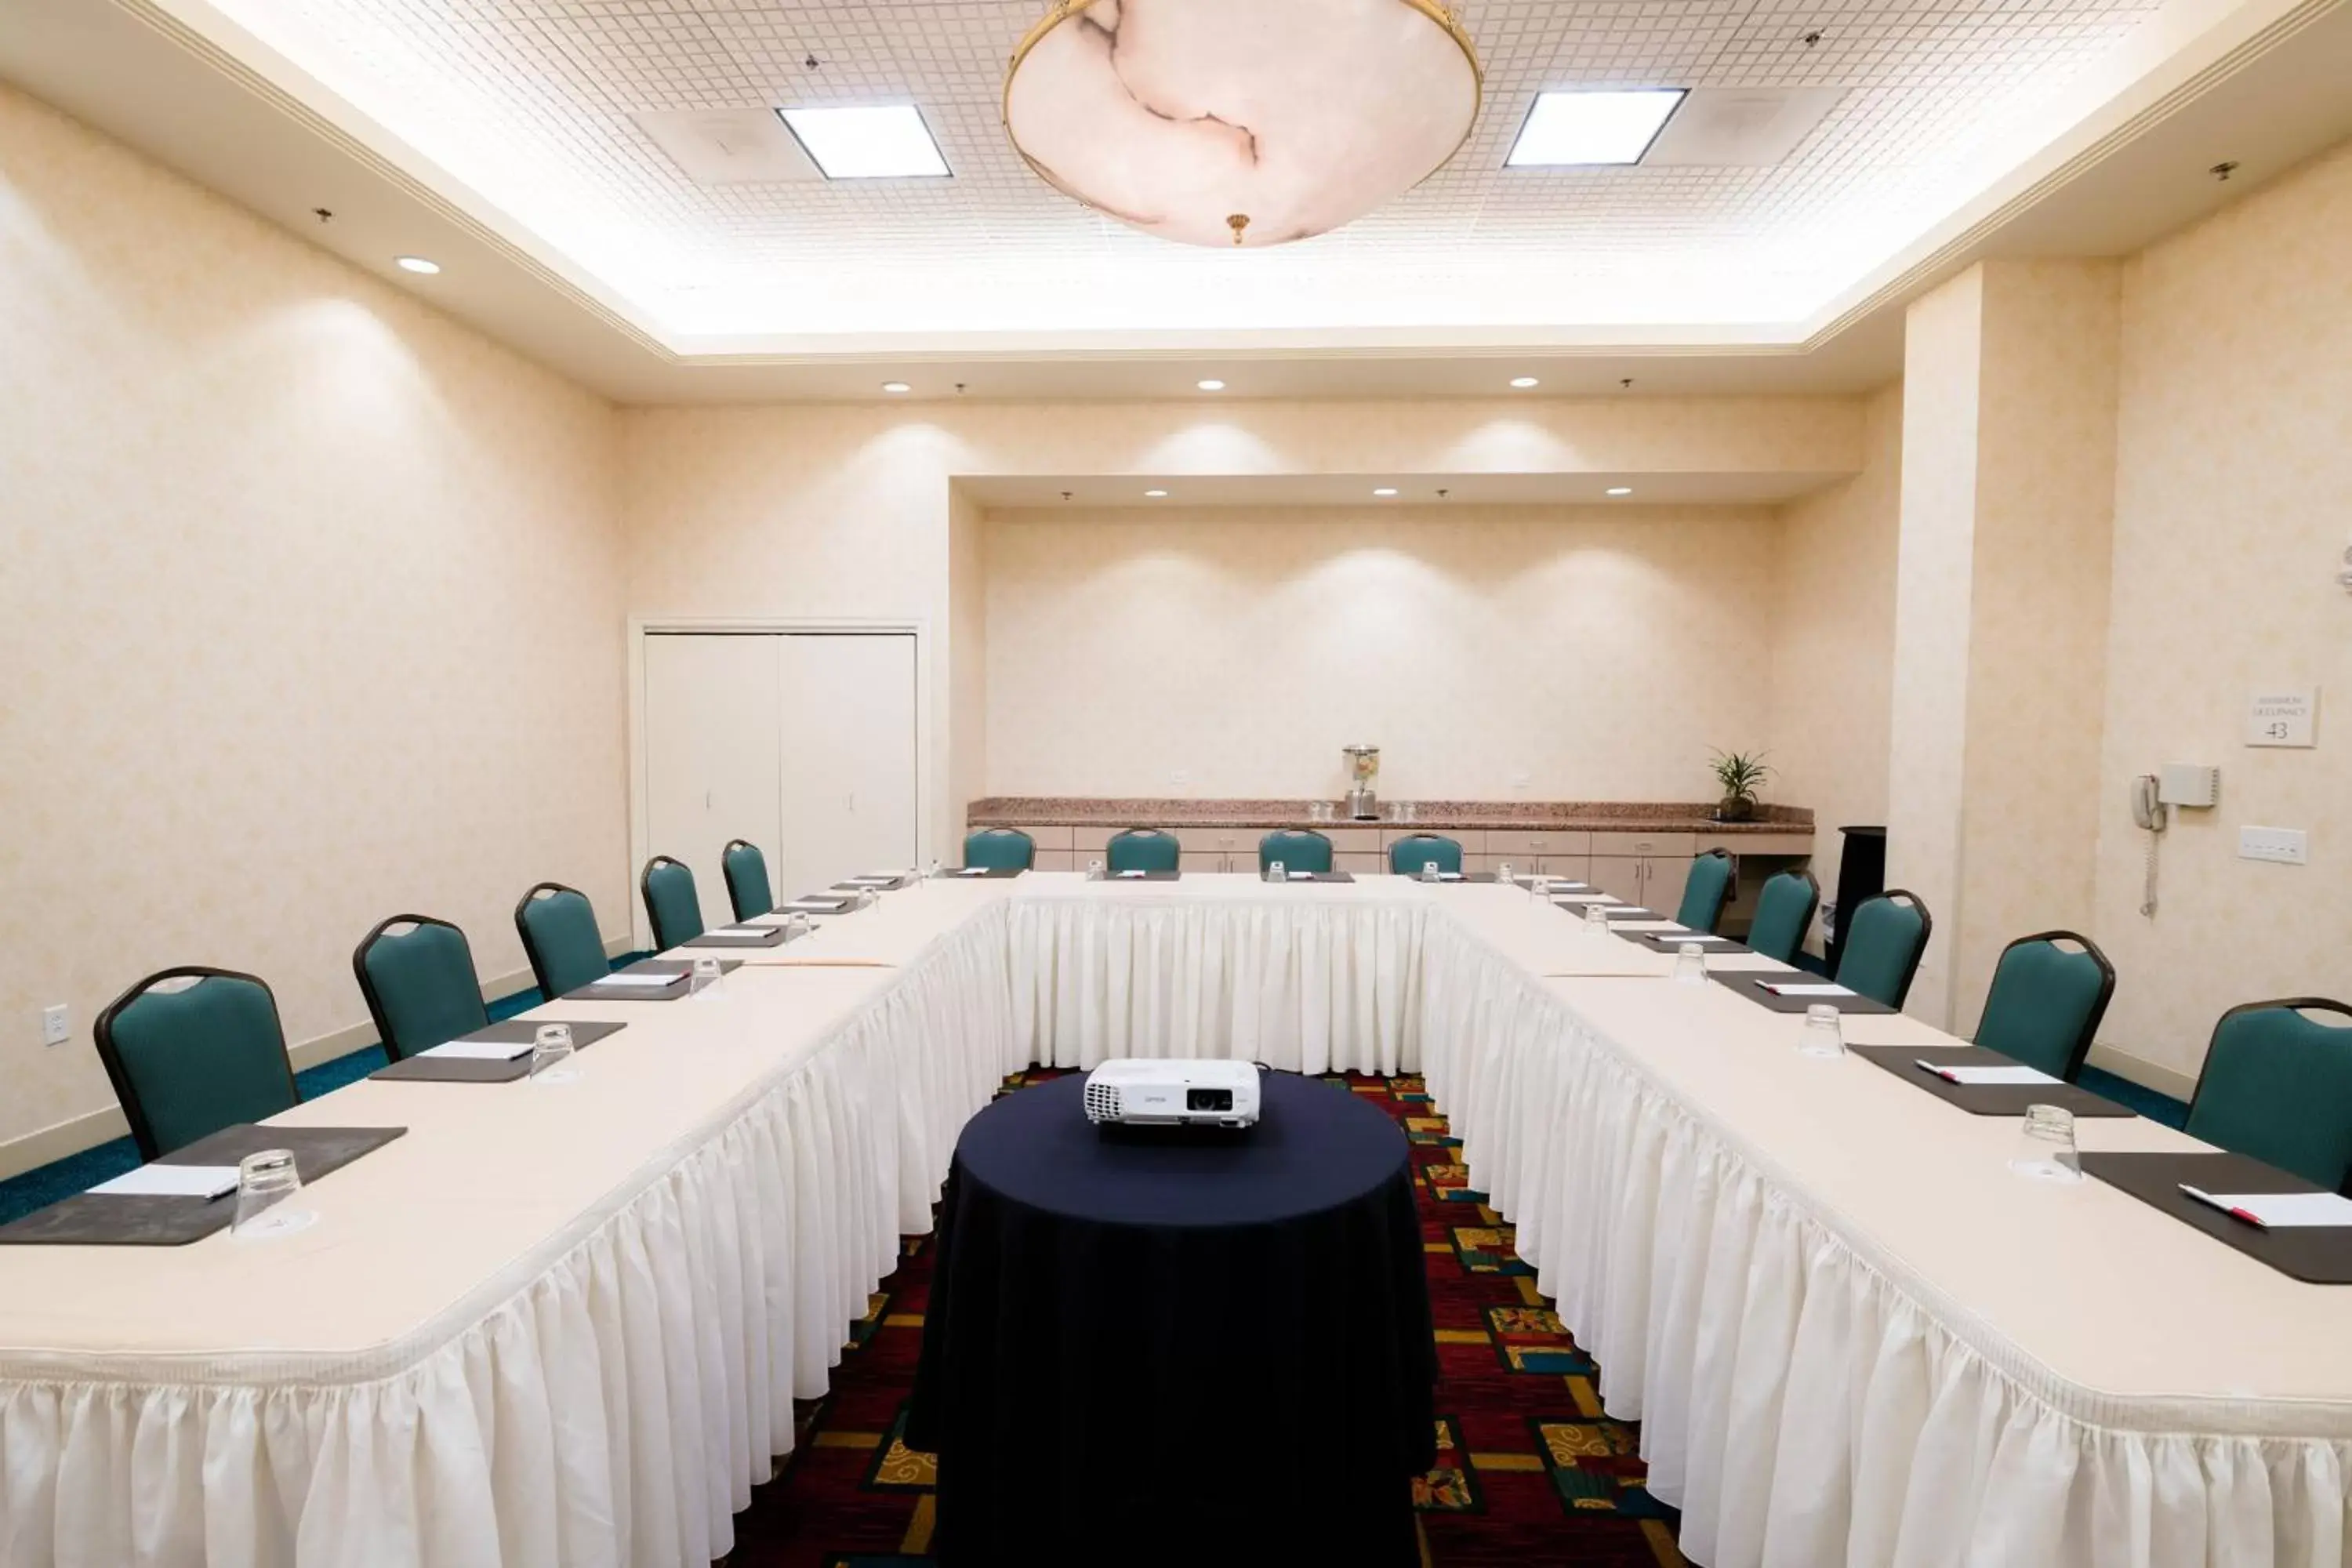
<point x="1408" y="855"/>
<point x="417" y="976"/>
<point x="1299" y="849"/>
<point x="2045" y="1002"/>
<point x="746" y="870"/>
<point x="1784" y="913"/>
<point x="2278" y="1086"/>
<point x="1143" y="850"/>
<point x="1000" y="849"/>
<point x="1712" y="878"/>
<point x="193" y="1050"/>
<point x="671" y="902"/>
<point x="1884" y="939"/>
<point x="558" y="927"/>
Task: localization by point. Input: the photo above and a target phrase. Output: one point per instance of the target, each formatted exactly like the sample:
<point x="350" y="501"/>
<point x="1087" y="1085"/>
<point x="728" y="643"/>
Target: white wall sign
<point x="2282" y="716"/>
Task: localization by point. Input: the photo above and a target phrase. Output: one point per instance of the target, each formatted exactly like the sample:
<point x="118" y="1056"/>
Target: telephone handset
<point x="2148" y="810"/>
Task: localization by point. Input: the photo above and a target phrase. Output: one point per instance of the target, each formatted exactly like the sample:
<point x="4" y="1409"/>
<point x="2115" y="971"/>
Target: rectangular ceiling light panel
<point x="879" y="141"/>
<point x="1587" y="127"/>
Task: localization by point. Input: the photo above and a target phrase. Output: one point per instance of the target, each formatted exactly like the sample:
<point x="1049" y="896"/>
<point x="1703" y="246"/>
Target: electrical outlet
<point x="2285" y="844"/>
<point x="54" y="1030"/>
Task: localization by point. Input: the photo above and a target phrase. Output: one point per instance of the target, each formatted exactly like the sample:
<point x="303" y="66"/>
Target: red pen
<point x="2210" y="1201"/>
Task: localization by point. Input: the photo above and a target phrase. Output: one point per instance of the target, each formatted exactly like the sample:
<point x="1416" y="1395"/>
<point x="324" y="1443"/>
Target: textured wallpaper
<point x="2233" y="507"/>
<point x="312" y="611"/>
<point x="1586" y="653"/>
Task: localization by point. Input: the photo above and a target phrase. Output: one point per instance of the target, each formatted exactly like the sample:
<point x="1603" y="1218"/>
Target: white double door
<point x="802" y="743"/>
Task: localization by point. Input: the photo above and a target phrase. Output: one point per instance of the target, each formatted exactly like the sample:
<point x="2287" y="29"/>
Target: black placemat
<point x="2314" y="1254"/>
<point x="1670" y="943"/>
<point x="424" y="1069"/>
<point x="1320" y="877"/>
<point x="1168" y="876"/>
<point x="1983" y="1099"/>
<point x="98" y="1219"/>
<point x="877" y="883"/>
<point x="988" y="874"/>
<point x="1748" y="986"/>
<point x="677" y="968"/>
<point x="770" y="936"/>
<point x="1558" y="884"/>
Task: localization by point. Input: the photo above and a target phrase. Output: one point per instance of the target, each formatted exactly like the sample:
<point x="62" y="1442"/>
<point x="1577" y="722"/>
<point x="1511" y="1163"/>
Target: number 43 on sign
<point x="2282" y="716"/>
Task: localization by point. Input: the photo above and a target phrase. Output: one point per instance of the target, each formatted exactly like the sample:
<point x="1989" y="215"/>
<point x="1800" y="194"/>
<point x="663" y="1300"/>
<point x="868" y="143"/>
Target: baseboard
<point x="31" y="1151"/>
<point x="2143" y="1072"/>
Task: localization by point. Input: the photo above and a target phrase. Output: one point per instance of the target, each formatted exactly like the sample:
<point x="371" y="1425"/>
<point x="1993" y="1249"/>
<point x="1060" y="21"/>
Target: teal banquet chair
<point x="746" y="869"/>
<point x="1143" y="850"/>
<point x="1884" y="936"/>
<point x="1784" y="913"/>
<point x="671" y="902"/>
<point x="2045" y="1002"/>
<point x="558" y="927"/>
<point x="1713" y="877"/>
<point x="1408" y="855"/>
<point x="189" y="1060"/>
<point x="419" y="984"/>
<point x="1000" y="849"/>
<point x="1299" y="849"/>
<point x="2277" y="1086"/>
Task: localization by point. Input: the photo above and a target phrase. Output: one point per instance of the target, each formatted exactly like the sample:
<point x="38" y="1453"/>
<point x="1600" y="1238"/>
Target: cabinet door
<point x="1619" y="875"/>
<point x="712" y="759"/>
<point x="1663" y="890"/>
<point x="848" y="707"/>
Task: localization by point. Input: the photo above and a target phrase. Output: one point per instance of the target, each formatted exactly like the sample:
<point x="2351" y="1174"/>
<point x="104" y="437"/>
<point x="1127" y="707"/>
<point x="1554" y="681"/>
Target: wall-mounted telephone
<point x="2153" y="796"/>
<point x="2148" y="810"/>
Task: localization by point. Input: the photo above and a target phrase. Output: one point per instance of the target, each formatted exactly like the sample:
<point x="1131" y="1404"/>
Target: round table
<point x="1174" y="1345"/>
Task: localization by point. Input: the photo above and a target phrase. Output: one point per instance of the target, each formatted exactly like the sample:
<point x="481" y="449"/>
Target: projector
<point x="1137" y="1091"/>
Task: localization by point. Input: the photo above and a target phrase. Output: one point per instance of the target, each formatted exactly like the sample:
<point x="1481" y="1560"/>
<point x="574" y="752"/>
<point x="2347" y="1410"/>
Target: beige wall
<point x="311" y="615"/>
<point x="1833" y="642"/>
<point x="967" y="654"/>
<point x="1592" y="653"/>
<point x="2233" y="508"/>
<point x="847" y="510"/>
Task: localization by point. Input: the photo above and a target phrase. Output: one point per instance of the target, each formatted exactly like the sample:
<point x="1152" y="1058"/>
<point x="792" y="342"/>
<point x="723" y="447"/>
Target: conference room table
<point x="564" y="1323"/>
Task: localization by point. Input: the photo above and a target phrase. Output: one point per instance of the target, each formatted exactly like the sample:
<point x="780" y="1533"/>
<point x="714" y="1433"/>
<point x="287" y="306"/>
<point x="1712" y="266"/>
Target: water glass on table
<point x="1094" y="871"/>
<point x="265" y="1182"/>
<point x="703" y="976"/>
<point x="1596" y="918"/>
<point x="2045" y="1145"/>
<point x="1430" y="872"/>
<point x="1690" y="964"/>
<point x="1503" y="873"/>
<point x="551" y="1054"/>
<point x="1275" y="871"/>
<point x="1822" y="1034"/>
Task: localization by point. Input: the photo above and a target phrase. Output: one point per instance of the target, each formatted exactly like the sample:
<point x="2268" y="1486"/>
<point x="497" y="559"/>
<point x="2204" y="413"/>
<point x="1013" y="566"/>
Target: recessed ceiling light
<point x="1591" y="127"/>
<point x="882" y="141"/>
<point x="416" y="263"/>
<point x="1621" y="490"/>
<point x="1385" y="491"/>
<point x="1523" y="381"/>
<point x="1155" y="495"/>
<point x="1212" y="384"/>
<point x="896" y="386"/>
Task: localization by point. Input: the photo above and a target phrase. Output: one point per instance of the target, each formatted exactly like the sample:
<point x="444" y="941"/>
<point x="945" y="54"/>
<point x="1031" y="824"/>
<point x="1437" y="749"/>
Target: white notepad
<point x="2014" y="1074"/>
<point x="817" y="905"/>
<point x="639" y="981"/>
<point x="2280" y="1211"/>
<point x="172" y="1182"/>
<point x="1131" y="875"/>
<point x="1691" y="936"/>
<point x="1814" y="988"/>
<point x="1587" y="898"/>
<point x="972" y="871"/>
<point x="1299" y="875"/>
<point x="740" y="931"/>
<point x="480" y="1050"/>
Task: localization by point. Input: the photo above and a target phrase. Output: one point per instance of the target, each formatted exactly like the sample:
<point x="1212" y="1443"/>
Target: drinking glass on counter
<point x="1823" y="1036"/>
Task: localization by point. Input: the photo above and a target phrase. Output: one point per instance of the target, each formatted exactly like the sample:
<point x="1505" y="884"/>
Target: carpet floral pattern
<point x="1529" y="1471"/>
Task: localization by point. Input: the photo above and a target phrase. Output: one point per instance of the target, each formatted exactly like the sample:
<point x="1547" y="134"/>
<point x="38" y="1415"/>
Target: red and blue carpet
<point x="1529" y="1471"/>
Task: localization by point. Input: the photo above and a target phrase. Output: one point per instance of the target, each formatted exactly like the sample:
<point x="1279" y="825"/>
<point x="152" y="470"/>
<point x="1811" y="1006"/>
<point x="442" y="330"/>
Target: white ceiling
<point x="495" y="135"/>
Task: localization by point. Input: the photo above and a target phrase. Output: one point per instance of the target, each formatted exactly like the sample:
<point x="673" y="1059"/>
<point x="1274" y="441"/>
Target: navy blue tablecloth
<point x="1162" y="1347"/>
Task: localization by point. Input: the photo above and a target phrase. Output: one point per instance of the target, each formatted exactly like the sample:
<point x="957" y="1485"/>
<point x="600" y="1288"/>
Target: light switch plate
<point x="54" y="1027"/>
<point x="2285" y="844"/>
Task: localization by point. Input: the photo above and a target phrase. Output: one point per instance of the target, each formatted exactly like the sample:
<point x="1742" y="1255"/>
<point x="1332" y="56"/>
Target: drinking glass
<point x="2045" y="1145"/>
<point x="1275" y="871"/>
<point x="703" y="977"/>
<point x="1430" y="872"/>
<point x="1596" y="917"/>
<point x="934" y="869"/>
<point x="1540" y="888"/>
<point x="265" y="1180"/>
<point x="1094" y="871"/>
<point x="1503" y="874"/>
<point x="551" y="1054"/>
<point x="1822" y="1036"/>
<point x="797" y="925"/>
<point x="1690" y="966"/>
<point x="866" y="900"/>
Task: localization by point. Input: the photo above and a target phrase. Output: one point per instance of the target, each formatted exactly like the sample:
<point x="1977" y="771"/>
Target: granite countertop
<point x="1635" y="817"/>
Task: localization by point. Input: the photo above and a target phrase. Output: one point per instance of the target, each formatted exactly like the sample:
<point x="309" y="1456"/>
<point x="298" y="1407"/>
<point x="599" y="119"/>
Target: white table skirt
<point x="611" y="1394"/>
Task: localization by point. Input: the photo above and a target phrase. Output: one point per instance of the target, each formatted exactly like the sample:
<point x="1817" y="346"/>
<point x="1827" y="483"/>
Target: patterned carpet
<point x="1529" y="1471"/>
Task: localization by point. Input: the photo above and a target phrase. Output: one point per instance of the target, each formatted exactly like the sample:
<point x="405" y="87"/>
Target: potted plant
<point x="1740" y="773"/>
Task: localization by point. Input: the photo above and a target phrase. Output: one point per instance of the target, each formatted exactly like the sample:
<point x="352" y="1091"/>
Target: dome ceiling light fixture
<point x="1241" y="122"/>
